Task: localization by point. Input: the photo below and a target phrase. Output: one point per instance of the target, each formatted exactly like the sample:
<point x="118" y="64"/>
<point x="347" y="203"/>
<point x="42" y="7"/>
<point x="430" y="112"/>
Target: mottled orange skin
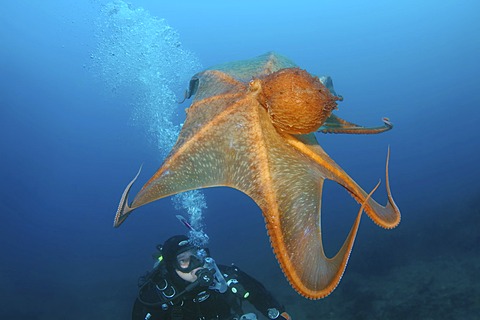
<point x="297" y="102"/>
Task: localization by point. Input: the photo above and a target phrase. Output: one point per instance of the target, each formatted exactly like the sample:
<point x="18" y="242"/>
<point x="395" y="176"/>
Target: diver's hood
<point x="173" y="247"/>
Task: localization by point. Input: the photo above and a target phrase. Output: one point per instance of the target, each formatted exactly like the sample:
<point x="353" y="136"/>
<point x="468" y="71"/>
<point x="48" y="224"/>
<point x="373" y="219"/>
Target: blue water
<point x="78" y="117"/>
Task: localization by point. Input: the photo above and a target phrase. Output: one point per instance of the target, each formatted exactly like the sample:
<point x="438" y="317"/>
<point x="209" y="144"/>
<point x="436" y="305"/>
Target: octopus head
<point x="296" y="102"/>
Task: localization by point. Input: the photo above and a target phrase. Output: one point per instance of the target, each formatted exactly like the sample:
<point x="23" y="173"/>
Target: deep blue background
<point x="67" y="149"/>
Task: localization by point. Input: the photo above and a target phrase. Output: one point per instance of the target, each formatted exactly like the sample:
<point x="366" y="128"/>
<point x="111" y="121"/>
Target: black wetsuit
<point x="200" y="303"/>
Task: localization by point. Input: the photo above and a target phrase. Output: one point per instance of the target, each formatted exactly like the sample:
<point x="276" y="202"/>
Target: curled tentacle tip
<point x="387" y="122"/>
<point x="124" y="208"/>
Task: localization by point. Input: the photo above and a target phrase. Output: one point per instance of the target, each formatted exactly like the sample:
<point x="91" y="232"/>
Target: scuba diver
<point x="186" y="283"/>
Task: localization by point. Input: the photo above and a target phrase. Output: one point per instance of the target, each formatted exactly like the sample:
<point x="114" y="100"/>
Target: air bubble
<point x="141" y="54"/>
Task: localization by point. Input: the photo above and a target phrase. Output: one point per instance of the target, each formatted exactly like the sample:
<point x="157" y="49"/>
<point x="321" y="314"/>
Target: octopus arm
<point x="335" y="124"/>
<point x="387" y="216"/>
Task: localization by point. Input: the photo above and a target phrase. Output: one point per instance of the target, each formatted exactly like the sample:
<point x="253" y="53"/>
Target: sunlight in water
<point x="142" y="55"/>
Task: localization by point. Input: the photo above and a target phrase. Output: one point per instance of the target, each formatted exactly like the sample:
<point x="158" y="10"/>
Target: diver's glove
<point x="205" y="278"/>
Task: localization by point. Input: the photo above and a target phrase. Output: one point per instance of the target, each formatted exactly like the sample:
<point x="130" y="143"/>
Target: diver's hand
<point x="205" y="277"/>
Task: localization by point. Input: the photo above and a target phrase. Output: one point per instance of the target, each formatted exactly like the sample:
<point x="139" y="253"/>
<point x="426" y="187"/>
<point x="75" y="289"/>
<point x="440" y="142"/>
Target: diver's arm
<point x="261" y="298"/>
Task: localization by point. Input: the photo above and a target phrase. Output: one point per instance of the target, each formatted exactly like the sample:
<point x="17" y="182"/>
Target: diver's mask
<point x="208" y="275"/>
<point x="191" y="259"/>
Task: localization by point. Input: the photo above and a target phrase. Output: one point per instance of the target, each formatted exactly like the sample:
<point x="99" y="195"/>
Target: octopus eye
<point x="254" y="85"/>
